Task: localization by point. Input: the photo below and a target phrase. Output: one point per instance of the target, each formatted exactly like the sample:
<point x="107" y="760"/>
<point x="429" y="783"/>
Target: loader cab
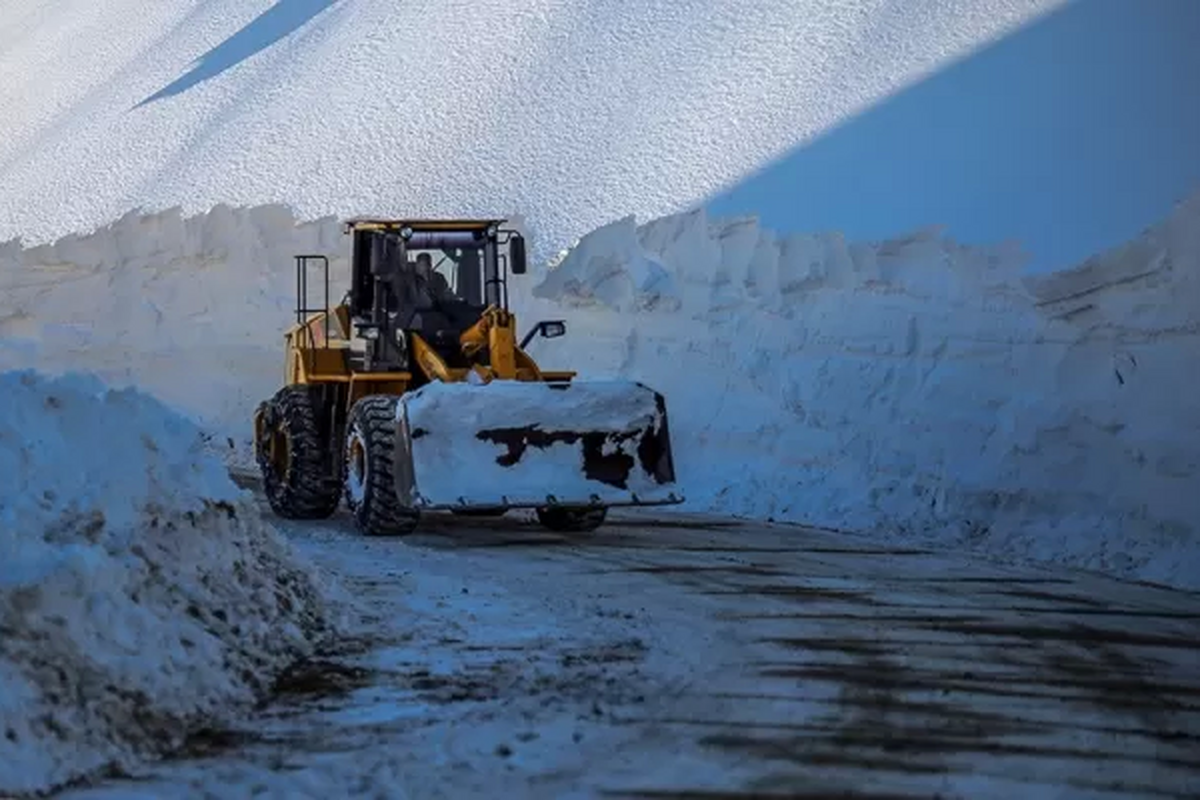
<point x="432" y="277"/>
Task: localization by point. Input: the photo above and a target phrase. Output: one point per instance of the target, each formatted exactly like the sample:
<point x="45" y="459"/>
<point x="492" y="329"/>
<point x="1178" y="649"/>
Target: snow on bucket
<point x="523" y="444"/>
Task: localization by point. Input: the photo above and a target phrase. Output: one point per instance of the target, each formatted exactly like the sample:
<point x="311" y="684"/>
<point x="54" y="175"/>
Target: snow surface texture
<point x="915" y="387"/>
<point x="140" y="594"/>
<point x="449" y="450"/>
<point x="575" y="112"/>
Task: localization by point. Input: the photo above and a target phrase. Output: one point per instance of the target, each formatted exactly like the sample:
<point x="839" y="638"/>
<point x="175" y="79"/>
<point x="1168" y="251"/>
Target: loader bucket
<point x="514" y="444"/>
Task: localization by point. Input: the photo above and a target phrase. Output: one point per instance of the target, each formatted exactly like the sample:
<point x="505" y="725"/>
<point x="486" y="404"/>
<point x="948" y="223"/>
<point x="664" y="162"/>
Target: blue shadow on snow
<point x="1070" y="135"/>
<point x="276" y="23"/>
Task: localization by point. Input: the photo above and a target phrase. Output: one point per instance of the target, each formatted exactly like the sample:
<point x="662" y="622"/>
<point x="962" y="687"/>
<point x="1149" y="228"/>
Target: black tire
<point x="562" y="519"/>
<point x="479" y="512"/>
<point x="294" y="459"/>
<point x="369" y="449"/>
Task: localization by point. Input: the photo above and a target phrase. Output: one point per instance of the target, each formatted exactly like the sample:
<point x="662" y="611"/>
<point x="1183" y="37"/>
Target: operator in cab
<point x="431" y="283"/>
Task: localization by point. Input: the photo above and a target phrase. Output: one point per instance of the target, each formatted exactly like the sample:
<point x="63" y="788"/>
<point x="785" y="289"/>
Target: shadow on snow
<point x="274" y="24"/>
<point x="1070" y="135"/>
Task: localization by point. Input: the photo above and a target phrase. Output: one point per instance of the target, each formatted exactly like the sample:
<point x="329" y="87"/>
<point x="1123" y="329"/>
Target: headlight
<point x="406" y="233"/>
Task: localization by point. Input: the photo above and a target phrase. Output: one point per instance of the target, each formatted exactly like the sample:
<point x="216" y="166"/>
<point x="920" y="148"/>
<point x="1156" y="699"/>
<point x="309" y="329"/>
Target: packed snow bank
<point x="913" y="387"/>
<point x="190" y="309"/>
<point x="140" y="594"/>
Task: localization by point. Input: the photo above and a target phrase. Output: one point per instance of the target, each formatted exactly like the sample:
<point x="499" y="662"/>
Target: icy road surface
<point x="660" y="660"/>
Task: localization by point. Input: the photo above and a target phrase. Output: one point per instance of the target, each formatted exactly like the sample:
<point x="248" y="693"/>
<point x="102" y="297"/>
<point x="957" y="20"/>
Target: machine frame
<point x="311" y="439"/>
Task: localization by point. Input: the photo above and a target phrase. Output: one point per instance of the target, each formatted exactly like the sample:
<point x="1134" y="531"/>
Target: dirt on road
<point x="681" y="656"/>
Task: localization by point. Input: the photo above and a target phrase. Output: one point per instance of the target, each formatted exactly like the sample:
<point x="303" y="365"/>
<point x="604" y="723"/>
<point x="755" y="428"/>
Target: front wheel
<point x="369" y="454"/>
<point x="562" y="519"/>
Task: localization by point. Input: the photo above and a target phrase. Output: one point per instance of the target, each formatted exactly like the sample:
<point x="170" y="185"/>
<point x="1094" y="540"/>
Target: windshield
<point x="453" y="274"/>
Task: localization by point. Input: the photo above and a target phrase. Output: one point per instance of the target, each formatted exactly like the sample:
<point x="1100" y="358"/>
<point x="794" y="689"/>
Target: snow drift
<point x="916" y="387"/>
<point x="140" y="594"/>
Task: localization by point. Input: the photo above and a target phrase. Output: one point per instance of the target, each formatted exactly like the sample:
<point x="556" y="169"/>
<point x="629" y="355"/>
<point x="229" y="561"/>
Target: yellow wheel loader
<point x="414" y="394"/>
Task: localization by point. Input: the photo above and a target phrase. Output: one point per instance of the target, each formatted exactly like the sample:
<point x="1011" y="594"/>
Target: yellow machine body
<point x="447" y="411"/>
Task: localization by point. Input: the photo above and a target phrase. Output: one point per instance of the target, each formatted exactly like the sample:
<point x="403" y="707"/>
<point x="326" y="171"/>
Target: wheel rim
<point x="356" y="467"/>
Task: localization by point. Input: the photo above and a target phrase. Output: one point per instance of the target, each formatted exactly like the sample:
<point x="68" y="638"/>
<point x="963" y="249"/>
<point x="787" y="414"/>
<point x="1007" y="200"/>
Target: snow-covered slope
<point x="915" y="387"/>
<point x="141" y="596"/>
<point x="1070" y="135"/>
<point x="571" y="112"/>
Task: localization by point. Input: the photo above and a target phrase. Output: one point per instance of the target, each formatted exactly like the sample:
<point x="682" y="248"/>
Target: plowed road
<point x="700" y="658"/>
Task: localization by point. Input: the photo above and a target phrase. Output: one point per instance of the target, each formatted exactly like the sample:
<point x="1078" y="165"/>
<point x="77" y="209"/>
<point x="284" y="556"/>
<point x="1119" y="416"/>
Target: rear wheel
<point x="293" y="457"/>
<point x="368" y="455"/>
<point x="564" y="519"/>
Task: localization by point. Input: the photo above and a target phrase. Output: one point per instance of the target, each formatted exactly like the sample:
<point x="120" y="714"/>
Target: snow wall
<point x="141" y="596"/>
<point x="191" y="309"/>
<point x="915" y="387"/>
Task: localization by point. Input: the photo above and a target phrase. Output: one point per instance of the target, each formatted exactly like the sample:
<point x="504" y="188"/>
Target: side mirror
<point x="547" y="329"/>
<point x="516" y="254"/>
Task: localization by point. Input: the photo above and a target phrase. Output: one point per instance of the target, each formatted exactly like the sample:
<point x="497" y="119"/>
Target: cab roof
<point x="375" y="223"/>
